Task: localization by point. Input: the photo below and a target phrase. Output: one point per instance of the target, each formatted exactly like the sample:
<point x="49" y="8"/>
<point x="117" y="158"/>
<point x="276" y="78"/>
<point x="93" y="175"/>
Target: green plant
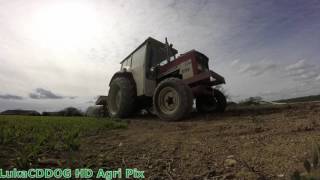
<point x="31" y="137"/>
<point x="71" y="140"/>
<point x="26" y="156"/>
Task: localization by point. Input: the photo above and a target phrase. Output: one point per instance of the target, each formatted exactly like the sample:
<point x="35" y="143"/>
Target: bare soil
<point x="244" y="143"/>
<point x="257" y="142"/>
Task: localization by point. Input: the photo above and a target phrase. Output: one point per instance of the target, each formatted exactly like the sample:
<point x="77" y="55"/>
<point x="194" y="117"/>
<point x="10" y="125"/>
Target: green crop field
<point x="23" y="139"/>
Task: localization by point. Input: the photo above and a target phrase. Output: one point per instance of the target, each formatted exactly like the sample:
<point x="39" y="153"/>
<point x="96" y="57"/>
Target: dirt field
<point x="260" y="142"/>
<point x="248" y="143"/>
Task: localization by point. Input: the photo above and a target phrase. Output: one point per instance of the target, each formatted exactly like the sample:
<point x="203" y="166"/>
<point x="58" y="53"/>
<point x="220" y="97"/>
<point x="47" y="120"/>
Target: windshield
<point x="158" y="54"/>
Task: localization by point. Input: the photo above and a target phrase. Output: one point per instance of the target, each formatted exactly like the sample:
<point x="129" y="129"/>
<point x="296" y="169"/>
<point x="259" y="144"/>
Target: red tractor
<point x="152" y="77"/>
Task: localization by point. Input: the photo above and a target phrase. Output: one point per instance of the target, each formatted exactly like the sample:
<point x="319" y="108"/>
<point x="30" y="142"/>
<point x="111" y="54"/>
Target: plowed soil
<point x="266" y="142"/>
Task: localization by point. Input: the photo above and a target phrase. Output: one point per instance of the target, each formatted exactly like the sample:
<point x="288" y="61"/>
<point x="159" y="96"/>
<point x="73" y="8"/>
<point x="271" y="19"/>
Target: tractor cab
<point x="144" y="63"/>
<point x="152" y="54"/>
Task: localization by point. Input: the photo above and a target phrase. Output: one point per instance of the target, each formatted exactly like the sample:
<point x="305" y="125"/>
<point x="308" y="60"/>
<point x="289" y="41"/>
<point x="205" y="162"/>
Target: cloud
<point x="303" y="71"/>
<point x="301" y="64"/>
<point x="280" y="32"/>
<point x="41" y="93"/>
<point x="290" y="92"/>
<point x="255" y="69"/>
<point x="309" y="75"/>
<point x="235" y="62"/>
<point x="9" y="97"/>
<point x="266" y="68"/>
<point x="44" y="94"/>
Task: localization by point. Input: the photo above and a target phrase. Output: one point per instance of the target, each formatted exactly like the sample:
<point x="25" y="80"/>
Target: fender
<point x="124" y="74"/>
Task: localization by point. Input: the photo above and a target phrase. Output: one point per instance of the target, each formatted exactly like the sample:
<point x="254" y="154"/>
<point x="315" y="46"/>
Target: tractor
<point x="153" y="78"/>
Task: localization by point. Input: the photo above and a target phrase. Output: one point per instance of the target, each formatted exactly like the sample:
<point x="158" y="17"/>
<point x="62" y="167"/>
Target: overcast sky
<point x="58" y="53"/>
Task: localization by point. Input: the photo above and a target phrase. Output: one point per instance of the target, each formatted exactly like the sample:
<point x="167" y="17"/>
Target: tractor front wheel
<point x="172" y="100"/>
<point x="214" y="103"/>
<point x="121" y="98"/>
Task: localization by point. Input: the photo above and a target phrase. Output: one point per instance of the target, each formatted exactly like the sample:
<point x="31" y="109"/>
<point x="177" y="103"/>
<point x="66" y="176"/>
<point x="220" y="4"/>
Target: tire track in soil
<point x="274" y="143"/>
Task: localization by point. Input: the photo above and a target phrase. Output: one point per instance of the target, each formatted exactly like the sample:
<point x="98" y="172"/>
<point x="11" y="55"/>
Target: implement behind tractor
<point x="152" y="77"/>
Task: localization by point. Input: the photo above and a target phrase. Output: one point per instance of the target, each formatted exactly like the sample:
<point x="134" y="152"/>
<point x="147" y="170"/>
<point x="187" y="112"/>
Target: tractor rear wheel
<point x="121" y="98"/>
<point x="172" y="100"/>
<point x="215" y="103"/>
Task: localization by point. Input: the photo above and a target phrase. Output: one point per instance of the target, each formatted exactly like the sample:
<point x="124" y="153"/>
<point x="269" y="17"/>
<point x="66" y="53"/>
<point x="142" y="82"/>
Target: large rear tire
<point x="121" y="98"/>
<point x="215" y="103"/>
<point x="172" y="100"/>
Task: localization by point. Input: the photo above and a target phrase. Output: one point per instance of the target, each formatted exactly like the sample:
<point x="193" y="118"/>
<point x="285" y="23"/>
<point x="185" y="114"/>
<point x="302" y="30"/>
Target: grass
<point x="29" y="136"/>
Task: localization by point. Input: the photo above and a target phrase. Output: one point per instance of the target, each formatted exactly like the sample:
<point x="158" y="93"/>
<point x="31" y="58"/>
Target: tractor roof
<point x="152" y="41"/>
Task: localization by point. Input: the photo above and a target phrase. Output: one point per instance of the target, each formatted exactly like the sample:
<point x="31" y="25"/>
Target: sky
<point x="60" y="53"/>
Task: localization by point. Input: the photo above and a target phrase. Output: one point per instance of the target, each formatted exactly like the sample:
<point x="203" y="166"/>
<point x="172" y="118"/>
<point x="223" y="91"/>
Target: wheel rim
<point x="169" y="100"/>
